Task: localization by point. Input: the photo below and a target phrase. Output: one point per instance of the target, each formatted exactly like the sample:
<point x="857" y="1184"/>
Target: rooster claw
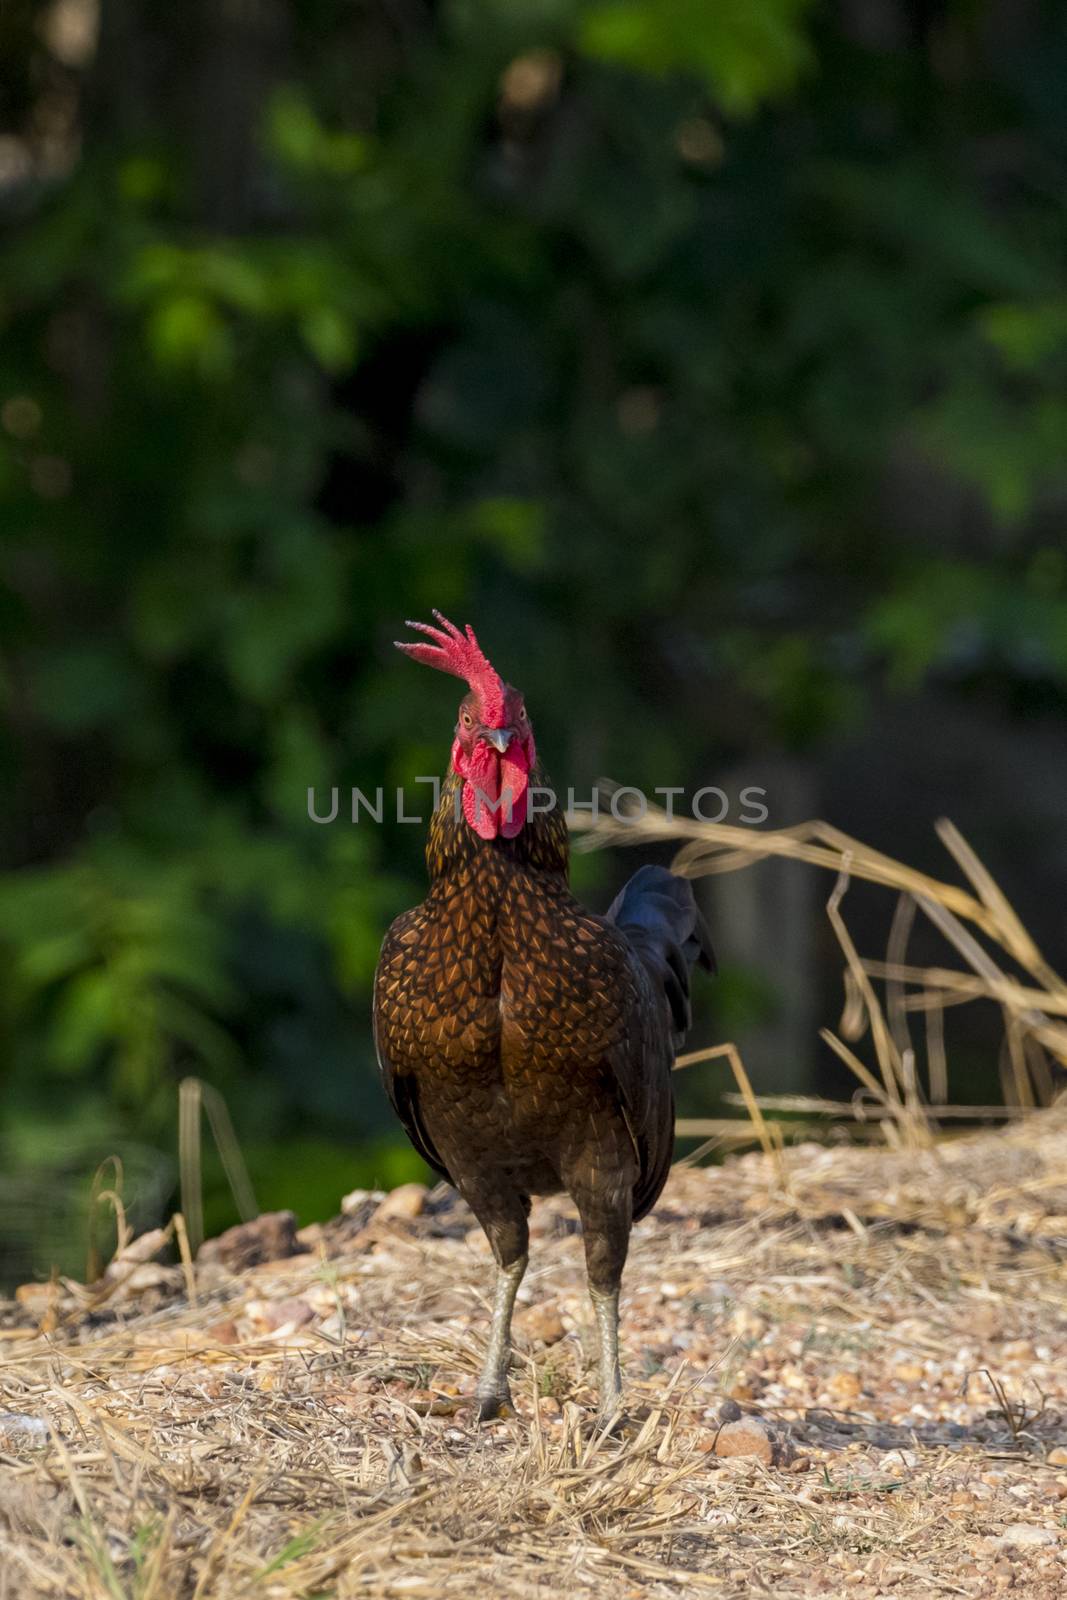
<point x="493" y="1407"/>
<point x="615" y="1424"/>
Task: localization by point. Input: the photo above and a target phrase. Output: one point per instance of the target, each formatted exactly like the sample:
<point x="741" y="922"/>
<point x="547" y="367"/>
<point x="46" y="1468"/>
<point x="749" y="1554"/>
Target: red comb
<point x="461" y="655"/>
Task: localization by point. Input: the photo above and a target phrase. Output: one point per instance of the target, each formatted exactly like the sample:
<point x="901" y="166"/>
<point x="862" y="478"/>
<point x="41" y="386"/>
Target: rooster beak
<point x="499" y="738"/>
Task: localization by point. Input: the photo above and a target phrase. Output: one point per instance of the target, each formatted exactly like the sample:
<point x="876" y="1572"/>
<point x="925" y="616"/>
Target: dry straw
<point x="976" y="921"/>
<point x="202" y="1450"/>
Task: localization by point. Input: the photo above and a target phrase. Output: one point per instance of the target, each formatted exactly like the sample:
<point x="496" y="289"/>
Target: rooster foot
<point x="493" y="1406"/>
<point x="615" y="1424"/>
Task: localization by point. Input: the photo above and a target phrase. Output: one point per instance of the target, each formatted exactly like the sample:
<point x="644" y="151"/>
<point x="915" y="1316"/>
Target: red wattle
<point x="495" y="791"/>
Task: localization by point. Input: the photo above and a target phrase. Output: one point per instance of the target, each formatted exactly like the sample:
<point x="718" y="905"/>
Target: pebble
<point x="1026" y="1534"/>
<point x="844" y="1386"/>
<point x="135" y="1279"/>
<point x="354" y="1202"/>
<point x="404" y="1203"/>
<point x="277" y="1314"/>
<point x="269" y="1237"/>
<point x="749" y="1437"/>
<point x="541" y="1322"/>
<point x="36" y="1296"/>
<point x="224" y="1332"/>
<point x="1057" y="1457"/>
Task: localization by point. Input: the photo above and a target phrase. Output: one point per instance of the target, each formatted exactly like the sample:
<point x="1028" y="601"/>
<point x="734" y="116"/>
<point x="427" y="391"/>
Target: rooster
<point x="526" y="1044"/>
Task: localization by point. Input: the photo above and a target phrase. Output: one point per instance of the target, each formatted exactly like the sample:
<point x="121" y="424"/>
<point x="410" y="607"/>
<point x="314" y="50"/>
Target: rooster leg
<point x="493" y="1393"/>
<point x="503" y="1215"/>
<point x="606" y="1311"/>
<point x="606" y="1227"/>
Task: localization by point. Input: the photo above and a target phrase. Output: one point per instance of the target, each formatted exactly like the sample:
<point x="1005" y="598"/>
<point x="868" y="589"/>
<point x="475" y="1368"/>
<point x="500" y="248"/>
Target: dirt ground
<point x="885" y="1334"/>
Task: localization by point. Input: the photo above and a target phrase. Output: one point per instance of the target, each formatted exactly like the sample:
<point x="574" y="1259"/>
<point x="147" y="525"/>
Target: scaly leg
<point x="493" y="1392"/>
<point x="606" y="1311"/>
<point x="605" y="1215"/>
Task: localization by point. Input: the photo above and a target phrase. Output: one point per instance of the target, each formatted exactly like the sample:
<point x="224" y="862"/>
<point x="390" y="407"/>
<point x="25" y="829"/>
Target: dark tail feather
<point x="659" y="915"/>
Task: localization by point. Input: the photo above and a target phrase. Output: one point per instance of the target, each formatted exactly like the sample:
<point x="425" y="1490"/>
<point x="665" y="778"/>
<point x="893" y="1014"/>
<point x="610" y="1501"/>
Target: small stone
<point x="844" y="1386"/>
<point x="270" y="1237"/>
<point x="1057" y="1457"/>
<point x="224" y="1332"/>
<point x="403" y="1204"/>
<point x="541" y="1323"/>
<point x="909" y="1372"/>
<point x="749" y="1437"/>
<point x="36" y="1296"/>
<point x="729" y="1411"/>
<point x="288" y="1313"/>
<point x="1026" y="1535"/>
<point x="899" y="1462"/>
<point x="747" y="1324"/>
<point x="137" y="1278"/>
<point x="352" y="1204"/>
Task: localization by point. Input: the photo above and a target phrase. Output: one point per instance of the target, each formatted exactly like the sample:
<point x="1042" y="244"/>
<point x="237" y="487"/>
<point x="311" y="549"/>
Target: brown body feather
<point x="520" y="1040"/>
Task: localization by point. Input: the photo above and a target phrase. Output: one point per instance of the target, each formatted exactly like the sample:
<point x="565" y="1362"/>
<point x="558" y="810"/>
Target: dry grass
<point x="302" y="1429"/>
<point x="1032" y="998"/>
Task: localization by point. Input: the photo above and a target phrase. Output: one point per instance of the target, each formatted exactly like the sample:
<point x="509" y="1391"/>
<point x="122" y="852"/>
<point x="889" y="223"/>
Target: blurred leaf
<point x="516" y="527"/>
<point x="329" y="337"/>
<point x="745" y="51"/>
<point x="1026" y="335"/>
<point x="186" y="330"/>
<point x="299" y="140"/>
<point x="84" y="686"/>
<point x="82" y="1023"/>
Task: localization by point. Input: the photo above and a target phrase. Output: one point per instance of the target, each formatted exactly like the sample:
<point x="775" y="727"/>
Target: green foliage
<point x="744" y="51"/>
<point x="608" y="325"/>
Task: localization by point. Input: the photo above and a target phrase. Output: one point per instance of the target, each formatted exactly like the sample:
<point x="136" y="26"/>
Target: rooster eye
<point x="522" y="713"/>
<point x="465" y="718"/>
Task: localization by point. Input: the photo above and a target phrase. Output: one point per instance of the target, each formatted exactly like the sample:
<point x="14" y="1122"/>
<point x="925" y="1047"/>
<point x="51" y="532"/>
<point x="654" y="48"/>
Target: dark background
<point x="709" y="357"/>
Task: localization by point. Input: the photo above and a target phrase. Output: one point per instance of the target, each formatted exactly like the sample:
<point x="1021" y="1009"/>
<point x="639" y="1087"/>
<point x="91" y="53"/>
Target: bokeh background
<point x="709" y="357"/>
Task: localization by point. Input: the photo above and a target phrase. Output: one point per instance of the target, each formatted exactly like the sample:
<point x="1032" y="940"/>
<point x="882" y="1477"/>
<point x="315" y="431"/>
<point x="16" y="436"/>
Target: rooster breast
<point x="499" y="1014"/>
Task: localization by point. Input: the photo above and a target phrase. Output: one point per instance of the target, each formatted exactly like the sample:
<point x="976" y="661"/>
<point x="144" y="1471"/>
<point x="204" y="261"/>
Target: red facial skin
<point x="495" y="792"/>
<point x="495" y="771"/>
